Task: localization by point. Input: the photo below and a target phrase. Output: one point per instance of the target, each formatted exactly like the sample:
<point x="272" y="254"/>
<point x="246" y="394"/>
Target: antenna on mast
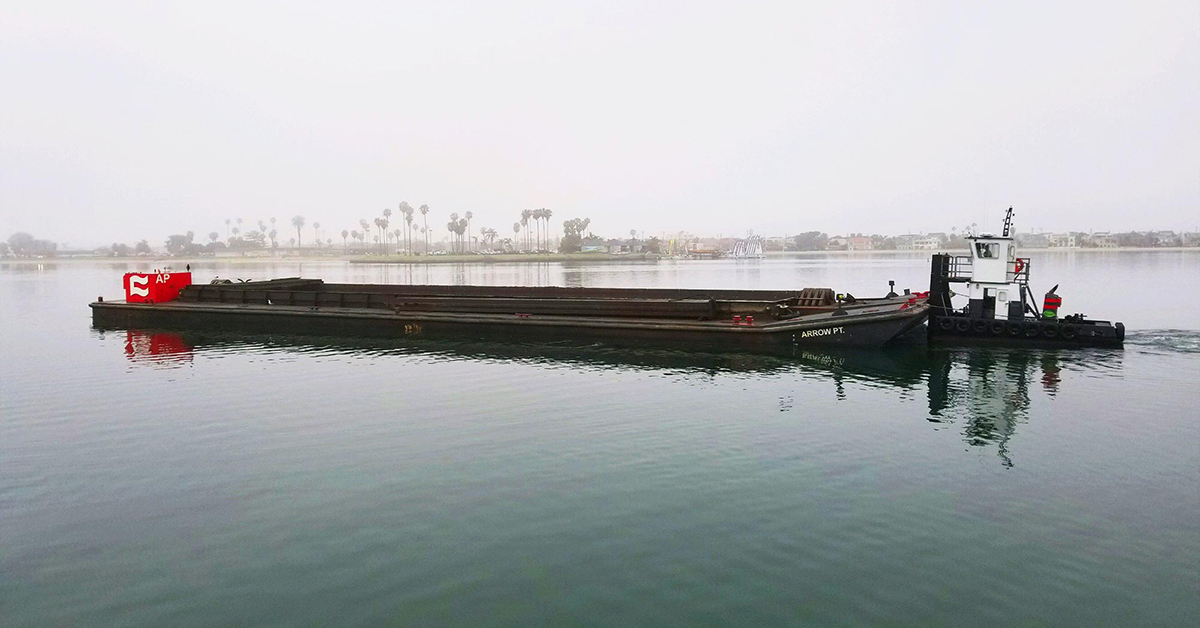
<point x="1008" y="222"/>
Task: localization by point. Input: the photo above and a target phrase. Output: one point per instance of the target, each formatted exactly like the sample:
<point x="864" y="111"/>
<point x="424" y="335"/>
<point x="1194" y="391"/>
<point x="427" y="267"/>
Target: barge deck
<point x="727" y="318"/>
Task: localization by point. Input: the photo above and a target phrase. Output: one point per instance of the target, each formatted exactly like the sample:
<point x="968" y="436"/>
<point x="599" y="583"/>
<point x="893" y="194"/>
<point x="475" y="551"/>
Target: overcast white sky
<point x="129" y="120"/>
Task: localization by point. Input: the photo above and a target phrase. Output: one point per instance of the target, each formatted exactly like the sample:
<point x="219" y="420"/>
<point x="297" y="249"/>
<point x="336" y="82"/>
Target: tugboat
<point x="1000" y="307"/>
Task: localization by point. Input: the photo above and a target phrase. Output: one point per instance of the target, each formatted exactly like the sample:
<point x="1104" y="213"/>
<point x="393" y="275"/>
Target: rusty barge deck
<point x="736" y="318"/>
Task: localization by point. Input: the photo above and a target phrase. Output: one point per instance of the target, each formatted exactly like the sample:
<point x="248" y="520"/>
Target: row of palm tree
<point x="537" y="216"/>
<point x="536" y="237"/>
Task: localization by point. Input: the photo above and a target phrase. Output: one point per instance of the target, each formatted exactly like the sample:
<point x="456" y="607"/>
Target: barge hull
<point x="871" y="329"/>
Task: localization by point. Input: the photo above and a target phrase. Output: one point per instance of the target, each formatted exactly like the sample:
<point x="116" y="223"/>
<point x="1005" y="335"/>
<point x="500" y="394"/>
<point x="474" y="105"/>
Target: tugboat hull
<point x="955" y="328"/>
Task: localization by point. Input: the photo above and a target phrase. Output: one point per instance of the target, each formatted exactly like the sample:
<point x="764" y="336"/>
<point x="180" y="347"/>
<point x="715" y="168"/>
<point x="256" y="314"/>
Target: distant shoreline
<point x="500" y="258"/>
<point x="1020" y="250"/>
<point x="600" y="258"/>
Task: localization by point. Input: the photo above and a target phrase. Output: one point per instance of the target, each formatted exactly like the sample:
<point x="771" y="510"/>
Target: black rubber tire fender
<point x="1032" y="330"/>
<point x="1015" y="328"/>
<point x="1068" y="332"/>
<point x="1050" y="331"/>
<point x="979" y="327"/>
<point x="945" y="323"/>
<point x="998" y="328"/>
<point x="962" y="325"/>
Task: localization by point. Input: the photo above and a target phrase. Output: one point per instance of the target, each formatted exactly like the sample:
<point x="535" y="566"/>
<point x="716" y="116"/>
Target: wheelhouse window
<point x="987" y="250"/>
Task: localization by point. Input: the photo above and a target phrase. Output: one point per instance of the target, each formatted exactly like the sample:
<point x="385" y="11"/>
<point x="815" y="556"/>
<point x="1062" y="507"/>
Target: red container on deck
<point x="154" y="287"/>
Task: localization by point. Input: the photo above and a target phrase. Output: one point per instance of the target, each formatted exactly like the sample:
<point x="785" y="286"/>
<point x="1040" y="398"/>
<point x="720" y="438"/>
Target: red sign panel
<point x="155" y="287"/>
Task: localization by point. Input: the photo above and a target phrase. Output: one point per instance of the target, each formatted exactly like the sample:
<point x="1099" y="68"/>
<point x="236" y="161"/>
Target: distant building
<point x="1034" y="240"/>
<point x="859" y="243"/>
<point x="1061" y="241"/>
<point x="1164" y="238"/>
<point x="837" y="243"/>
<point x="1104" y="240"/>
<point x="593" y="245"/>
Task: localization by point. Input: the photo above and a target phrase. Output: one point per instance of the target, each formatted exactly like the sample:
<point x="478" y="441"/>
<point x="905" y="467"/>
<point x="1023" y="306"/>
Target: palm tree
<point x="546" y="214"/>
<point x="298" y="223"/>
<point x="454" y="229"/>
<point x="469" y="216"/>
<point x="516" y="229"/>
<point x="213" y="235"/>
<point x="366" y="228"/>
<point x="317" y="231"/>
<point x="272" y="236"/>
<point x="526" y="214"/>
<point x="239" y="222"/>
<point x="536" y="214"/>
<point x="409" y="213"/>
<point x="408" y="219"/>
<point x="382" y="225"/>
<point x="424" y="230"/>
<point x="291" y="241"/>
<point x="345" y="246"/>
<point x="227" y="221"/>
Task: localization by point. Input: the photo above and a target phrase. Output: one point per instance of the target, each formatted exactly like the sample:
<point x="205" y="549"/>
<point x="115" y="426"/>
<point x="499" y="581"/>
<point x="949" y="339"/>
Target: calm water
<point x="212" y="479"/>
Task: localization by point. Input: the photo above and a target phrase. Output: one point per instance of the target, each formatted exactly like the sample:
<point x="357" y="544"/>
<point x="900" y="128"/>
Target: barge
<point x="1001" y="308"/>
<point x="741" y="319"/>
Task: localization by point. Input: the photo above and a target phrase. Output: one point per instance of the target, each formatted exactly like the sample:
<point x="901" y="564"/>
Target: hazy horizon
<point x="123" y="122"/>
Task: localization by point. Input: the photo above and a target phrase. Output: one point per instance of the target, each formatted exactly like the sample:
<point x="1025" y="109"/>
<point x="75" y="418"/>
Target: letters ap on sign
<point x="155" y="287"/>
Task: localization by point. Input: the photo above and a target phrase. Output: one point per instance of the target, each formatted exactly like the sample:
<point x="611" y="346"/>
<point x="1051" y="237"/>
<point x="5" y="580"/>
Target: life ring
<point x="1068" y="332"/>
<point x="998" y="328"/>
<point x="1019" y="267"/>
<point x="1032" y="330"/>
<point x="945" y="323"/>
<point x="962" y="324"/>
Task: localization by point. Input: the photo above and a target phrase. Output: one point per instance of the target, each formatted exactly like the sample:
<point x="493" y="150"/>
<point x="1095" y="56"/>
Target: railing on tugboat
<point x="960" y="268"/>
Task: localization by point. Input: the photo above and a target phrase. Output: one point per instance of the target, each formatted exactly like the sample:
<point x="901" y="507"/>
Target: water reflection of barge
<point x="744" y="319"/>
<point x="985" y="391"/>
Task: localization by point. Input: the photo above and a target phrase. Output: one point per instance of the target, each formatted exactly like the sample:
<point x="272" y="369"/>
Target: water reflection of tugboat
<point x="1000" y="307"/>
<point x="988" y="390"/>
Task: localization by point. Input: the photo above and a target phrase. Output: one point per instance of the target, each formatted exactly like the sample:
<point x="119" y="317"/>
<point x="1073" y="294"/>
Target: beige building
<point x="1061" y="241"/>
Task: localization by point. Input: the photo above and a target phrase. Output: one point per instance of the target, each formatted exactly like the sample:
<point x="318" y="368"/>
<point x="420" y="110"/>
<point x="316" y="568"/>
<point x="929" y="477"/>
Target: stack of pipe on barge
<point x="744" y="319"/>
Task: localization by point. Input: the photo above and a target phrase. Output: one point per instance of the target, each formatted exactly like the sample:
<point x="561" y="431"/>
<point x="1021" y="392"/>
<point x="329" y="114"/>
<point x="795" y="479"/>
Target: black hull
<point x="960" y="329"/>
<point x="864" y="328"/>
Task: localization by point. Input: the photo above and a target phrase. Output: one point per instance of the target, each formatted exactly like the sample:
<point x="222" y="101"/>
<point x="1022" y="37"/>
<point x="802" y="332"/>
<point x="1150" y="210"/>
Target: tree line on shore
<point x="531" y="234"/>
<point x="404" y="230"/>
